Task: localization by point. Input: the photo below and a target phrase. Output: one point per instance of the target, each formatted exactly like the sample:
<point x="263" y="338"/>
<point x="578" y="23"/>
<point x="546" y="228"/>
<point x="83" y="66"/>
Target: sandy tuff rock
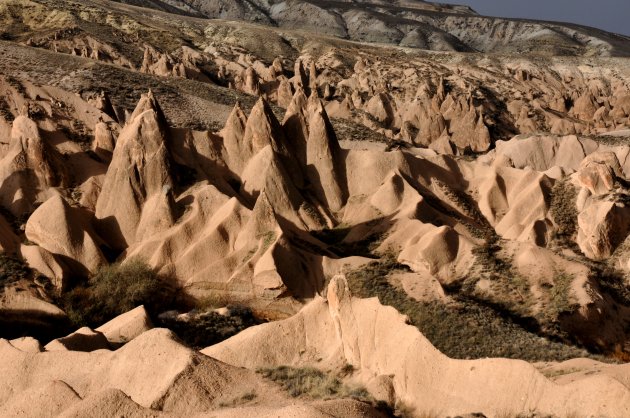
<point x="135" y="378"/>
<point x="333" y="330"/>
<point x="295" y="124"/>
<point x="83" y="339"/>
<point x="127" y="326"/>
<point x="324" y="168"/>
<point x="285" y="93"/>
<point x="104" y="140"/>
<point x="233" y="134"/>
<point x="48" y="264"/>
<point x="31" y="170"/>
<point x="128" y="369"/>
<point x="27" y="344"/>
<point x="599" y="171"/>
<point x="462" y="179"/>
<point x="603" y="225"/>
<point x="25" y="308"/>
<point x="139" y="171"/>
<point x="155" y="62"/>
<point x="67" y="232"/>
<point x="49" y="399"/>
<point x="262" y="130"/>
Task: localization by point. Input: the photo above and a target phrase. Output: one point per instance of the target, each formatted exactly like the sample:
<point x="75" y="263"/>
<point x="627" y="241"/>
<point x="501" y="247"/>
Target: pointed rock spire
<point x="295" y="124"/>
<point x="299" y="79"/>
<point x="233" y="134"/>
<point x="285" y="93"/>
<point x="312" y="77"/>
<point x="328" y="92"/>
<point x="314" y="104"/>
<point x="266" y="176"/>
<point x="148" y="102"/>
<point x="298" y="104"/>
<point x="323" y="156"/>
<point x="432" y="126"/>
<point x="277" y="66"/>
<point x="104" y="104"/>
<point x="104" y="141"/>
<point x="251" y="83"/>
<point x="380" y="107"/>
<point x="263" y="129"/>
<point x="441" y="90"/>
<point x="140" y="169"/>
<point x="30" y="169"/>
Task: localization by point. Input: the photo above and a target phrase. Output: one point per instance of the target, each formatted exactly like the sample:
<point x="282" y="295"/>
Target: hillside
<point x="311" y="218"/>
<point x="413" y="24"/>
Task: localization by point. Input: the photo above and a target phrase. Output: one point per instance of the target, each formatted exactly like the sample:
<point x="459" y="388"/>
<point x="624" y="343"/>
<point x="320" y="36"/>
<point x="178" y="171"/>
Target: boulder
<point x="602" y="226"/>
<point x="599" y="172"/>
<point x="67" y="232"/>
<point x="84" y="339"/>
<point x="127" y="326"/>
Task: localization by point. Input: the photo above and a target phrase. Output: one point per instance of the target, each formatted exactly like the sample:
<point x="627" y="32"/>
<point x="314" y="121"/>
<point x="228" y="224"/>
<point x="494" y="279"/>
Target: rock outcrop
<point x="331" y="332"/>
<point x="139" y="173"/>
<point x="66" y="232"/>
<point x="127" y="326"/>
<point x="135" y="380"/>
<point x="31" y="170"/>
<point x="324" y="160"/>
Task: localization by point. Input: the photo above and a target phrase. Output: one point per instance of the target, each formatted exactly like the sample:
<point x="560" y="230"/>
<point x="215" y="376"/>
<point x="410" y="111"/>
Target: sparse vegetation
<point x="352" y="131"/>
<point x="312" y="383"/>
<point x="114" y="290"/>
<point x="12" y="270"/>
<point x="474" y="220"/>
<point x="509" y="290"/>
<point x="557" y="373"/>
<point x="119" y="288"/>
<point x="5" y="110"/>
<point x="465" y="329"/>
<point x="209" y="328"/>
<point x="405" y="411"/>
<point x="612" y="282"/>
<point x="239" y="400"/>
<point x="563" y="210"/>
<point x="365" y="247"/>
<point x="267" y="239"/>
<point x="560" y="295"/>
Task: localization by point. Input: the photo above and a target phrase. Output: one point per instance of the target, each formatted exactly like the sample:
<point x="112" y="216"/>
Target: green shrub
<point x="114" y="290"/>
<point x="119" y="288"/>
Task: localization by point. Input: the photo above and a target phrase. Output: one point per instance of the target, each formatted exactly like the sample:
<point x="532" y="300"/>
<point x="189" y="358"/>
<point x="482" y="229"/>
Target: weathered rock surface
<point x="67" y="232"/>
<point x="332" y="331"/>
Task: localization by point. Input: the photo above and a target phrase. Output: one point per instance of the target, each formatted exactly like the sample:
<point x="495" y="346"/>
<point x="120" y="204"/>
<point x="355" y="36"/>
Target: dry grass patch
<point x="313" y="383"/>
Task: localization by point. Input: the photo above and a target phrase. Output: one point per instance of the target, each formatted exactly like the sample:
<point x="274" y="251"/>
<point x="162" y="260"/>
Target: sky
<point x="610" y="15"/>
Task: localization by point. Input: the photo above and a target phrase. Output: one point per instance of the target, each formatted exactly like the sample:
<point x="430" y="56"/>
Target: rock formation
<point x="331" y="332"/>
<point x="139" y="173"/>
<point x="483" y="194"/>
